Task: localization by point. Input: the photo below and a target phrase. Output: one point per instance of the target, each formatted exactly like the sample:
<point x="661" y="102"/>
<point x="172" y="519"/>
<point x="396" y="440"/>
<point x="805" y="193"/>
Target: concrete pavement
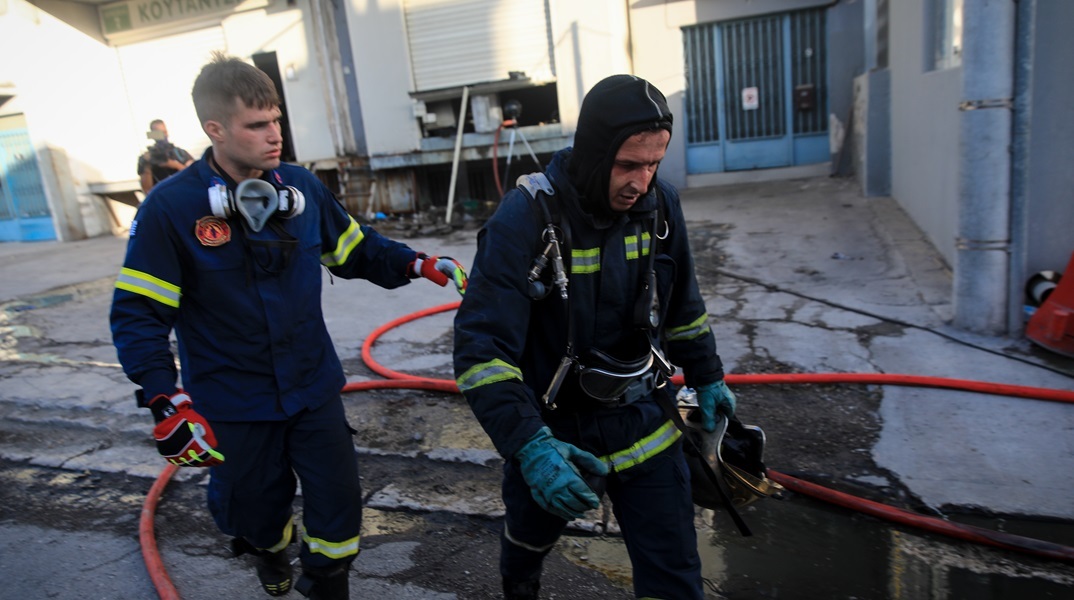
<point x="812" y="276"/>
<point x="834" y="264"/>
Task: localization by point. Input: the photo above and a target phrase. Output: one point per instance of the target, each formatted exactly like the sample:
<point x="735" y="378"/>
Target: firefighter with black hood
<point x="581" y="297"/>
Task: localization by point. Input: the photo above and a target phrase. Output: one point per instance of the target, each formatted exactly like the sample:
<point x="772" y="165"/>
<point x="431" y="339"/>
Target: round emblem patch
<point x="212" y="231"/>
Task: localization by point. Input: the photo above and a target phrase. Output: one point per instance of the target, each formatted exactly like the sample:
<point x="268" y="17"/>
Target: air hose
<point x="397" y="380"/>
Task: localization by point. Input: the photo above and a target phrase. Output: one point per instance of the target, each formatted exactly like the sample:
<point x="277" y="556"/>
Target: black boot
<point x="275" y="572"/>
<point x="273" y="568"/>
<point x="325" y="584"/>
<point x="521" y="590"/>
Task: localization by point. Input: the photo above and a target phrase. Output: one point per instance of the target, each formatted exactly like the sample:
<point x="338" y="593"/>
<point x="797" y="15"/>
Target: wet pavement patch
<point x="39" y="302"/>
<point x="802" y="548"/>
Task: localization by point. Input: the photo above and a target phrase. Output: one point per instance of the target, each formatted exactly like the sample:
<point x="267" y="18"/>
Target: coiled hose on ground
<point x="395" y="379"/>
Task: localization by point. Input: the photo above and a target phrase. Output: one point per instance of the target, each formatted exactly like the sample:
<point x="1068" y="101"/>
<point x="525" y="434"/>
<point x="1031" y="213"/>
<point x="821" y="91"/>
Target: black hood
<point x="615" y="109"/>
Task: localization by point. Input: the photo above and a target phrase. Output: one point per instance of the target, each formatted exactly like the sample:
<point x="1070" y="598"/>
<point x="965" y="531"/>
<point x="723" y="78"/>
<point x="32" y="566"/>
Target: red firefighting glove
<point x="183" y="437"/>
<point x="440" y="270"/>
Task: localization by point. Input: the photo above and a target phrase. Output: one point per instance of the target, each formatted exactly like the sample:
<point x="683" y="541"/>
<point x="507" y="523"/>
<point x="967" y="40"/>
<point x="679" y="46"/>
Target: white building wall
<point x="291" y="34"/>
<point x="88" y="103"/>
<point x="658" y="58"/>
<point x="924" y="130"/>
<point x="590" y="41"/>
<point x="382" y="62"/>
<point x="71" y="91"/>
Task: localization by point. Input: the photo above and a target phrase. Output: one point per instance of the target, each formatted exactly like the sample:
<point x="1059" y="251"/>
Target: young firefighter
<point x="228" y="253"/>
<point x="561" y="357"/>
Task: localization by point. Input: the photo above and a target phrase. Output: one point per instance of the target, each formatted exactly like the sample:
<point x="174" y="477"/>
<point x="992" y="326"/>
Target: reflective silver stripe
<point x="646" y="448"/>
<point x="690" y="331"/>
<point x="346" y="244"/>
<point x="486" y="373"/>
<point x="585" y="261"/>
<point x="521" y="544"/>
<point x="333" y="550"/>
<point x="632" y="246"/>
<point x="146" y="285"/>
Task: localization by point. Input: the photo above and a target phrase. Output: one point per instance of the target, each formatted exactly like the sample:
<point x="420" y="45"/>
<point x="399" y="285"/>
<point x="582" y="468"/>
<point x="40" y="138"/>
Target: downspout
<point x="326" y="47"/>
<point x="1025" y="33"/>
<point x="984" y="204"/>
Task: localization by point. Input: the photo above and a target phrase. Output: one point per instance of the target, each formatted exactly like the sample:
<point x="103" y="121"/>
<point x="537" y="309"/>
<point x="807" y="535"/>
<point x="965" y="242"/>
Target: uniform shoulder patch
<point x="212" y="231"/>
<point x="535" y="182"/>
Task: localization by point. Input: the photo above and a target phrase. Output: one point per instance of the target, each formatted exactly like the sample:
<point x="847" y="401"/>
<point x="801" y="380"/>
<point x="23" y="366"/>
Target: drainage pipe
<point x="1022" y="121"/>
<point x="984" y="164"/>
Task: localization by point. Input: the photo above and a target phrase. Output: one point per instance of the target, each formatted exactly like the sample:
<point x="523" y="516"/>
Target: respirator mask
<point x="256" y="201"/>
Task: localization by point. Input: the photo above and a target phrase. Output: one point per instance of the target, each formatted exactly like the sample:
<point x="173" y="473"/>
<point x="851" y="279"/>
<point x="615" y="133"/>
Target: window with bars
<point x="945" y="34"/>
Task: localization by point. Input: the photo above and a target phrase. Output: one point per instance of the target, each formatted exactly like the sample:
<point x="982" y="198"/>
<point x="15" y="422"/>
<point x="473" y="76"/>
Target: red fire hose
<point x="148" y="541"/>
<point x="961" y="531"/>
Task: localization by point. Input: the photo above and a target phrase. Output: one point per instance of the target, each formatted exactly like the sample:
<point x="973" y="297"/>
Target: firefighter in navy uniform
<point x="582" y="285"/>
<point x="228" y="253"/>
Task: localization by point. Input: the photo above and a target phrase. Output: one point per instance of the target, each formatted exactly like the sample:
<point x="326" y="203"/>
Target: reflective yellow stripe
<point x="690" y="331"/>
<point x="151" y="287"/>
<point x="521" y="544"/>
<point x="644" y="449"/>
<point x="333" y="550"/>
<point x="486" y="373"/>
<point x="632" y="246"/>
<point x="288" y="531"/>
<point x="346" y="244"/>
<point x="585" y="261"/>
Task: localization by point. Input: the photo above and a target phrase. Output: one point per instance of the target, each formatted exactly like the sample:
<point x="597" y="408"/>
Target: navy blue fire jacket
<point x="251" y="335"/>
<point x="507" y="345"/>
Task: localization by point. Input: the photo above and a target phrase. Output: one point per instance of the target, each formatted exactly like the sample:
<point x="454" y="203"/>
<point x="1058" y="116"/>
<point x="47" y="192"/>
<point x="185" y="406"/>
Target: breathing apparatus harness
<point x="608" y="380"/>
<point x="615" y="383"/>
<point x="258" y="202"/>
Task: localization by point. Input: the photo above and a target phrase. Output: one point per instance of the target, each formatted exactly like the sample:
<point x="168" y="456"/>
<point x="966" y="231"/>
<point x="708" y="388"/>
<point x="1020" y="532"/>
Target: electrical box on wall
<point x="805" y="97"/>
<point x="487" y="112"/>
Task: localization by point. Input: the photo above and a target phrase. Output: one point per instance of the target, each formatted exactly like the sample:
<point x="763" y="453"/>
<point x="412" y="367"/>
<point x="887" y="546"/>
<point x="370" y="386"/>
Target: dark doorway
<point x="266" y="61"/>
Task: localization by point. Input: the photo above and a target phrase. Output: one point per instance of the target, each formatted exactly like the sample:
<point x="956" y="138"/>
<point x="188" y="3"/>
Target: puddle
<point x="377" y="522"/>
<point x="39" y="302"/>
<point x="802" y="548"/>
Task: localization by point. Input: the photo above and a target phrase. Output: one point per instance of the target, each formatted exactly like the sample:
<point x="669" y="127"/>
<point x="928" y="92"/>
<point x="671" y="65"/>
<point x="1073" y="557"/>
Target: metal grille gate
<point x="753" y="60"/>
<point x="756" y="92"/>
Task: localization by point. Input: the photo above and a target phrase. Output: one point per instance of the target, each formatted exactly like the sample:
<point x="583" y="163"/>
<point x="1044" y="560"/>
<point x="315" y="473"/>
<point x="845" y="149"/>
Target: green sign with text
<point x="131" y="15"/>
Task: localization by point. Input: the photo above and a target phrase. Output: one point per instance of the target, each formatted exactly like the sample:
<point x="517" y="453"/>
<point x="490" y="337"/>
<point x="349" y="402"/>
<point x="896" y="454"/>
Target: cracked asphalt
<point x="801" y="276"/>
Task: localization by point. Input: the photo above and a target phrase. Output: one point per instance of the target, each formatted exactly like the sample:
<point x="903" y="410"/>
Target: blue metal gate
<point x="756" y="93"/>
<point x="24" y="212"/>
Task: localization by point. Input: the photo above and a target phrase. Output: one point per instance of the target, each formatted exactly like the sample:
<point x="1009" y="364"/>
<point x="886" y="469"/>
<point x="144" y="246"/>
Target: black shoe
<point x="521" y="590"/>
<point x="275" y="572"/>
<point x="325" y="584"/>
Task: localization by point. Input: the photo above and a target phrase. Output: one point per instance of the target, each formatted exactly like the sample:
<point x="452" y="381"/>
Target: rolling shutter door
<point x="463" y="42"/>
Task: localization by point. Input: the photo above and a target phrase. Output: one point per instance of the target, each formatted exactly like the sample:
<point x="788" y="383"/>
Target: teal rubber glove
<point x="551" y="468"/>
<point x="713" y="397"/>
